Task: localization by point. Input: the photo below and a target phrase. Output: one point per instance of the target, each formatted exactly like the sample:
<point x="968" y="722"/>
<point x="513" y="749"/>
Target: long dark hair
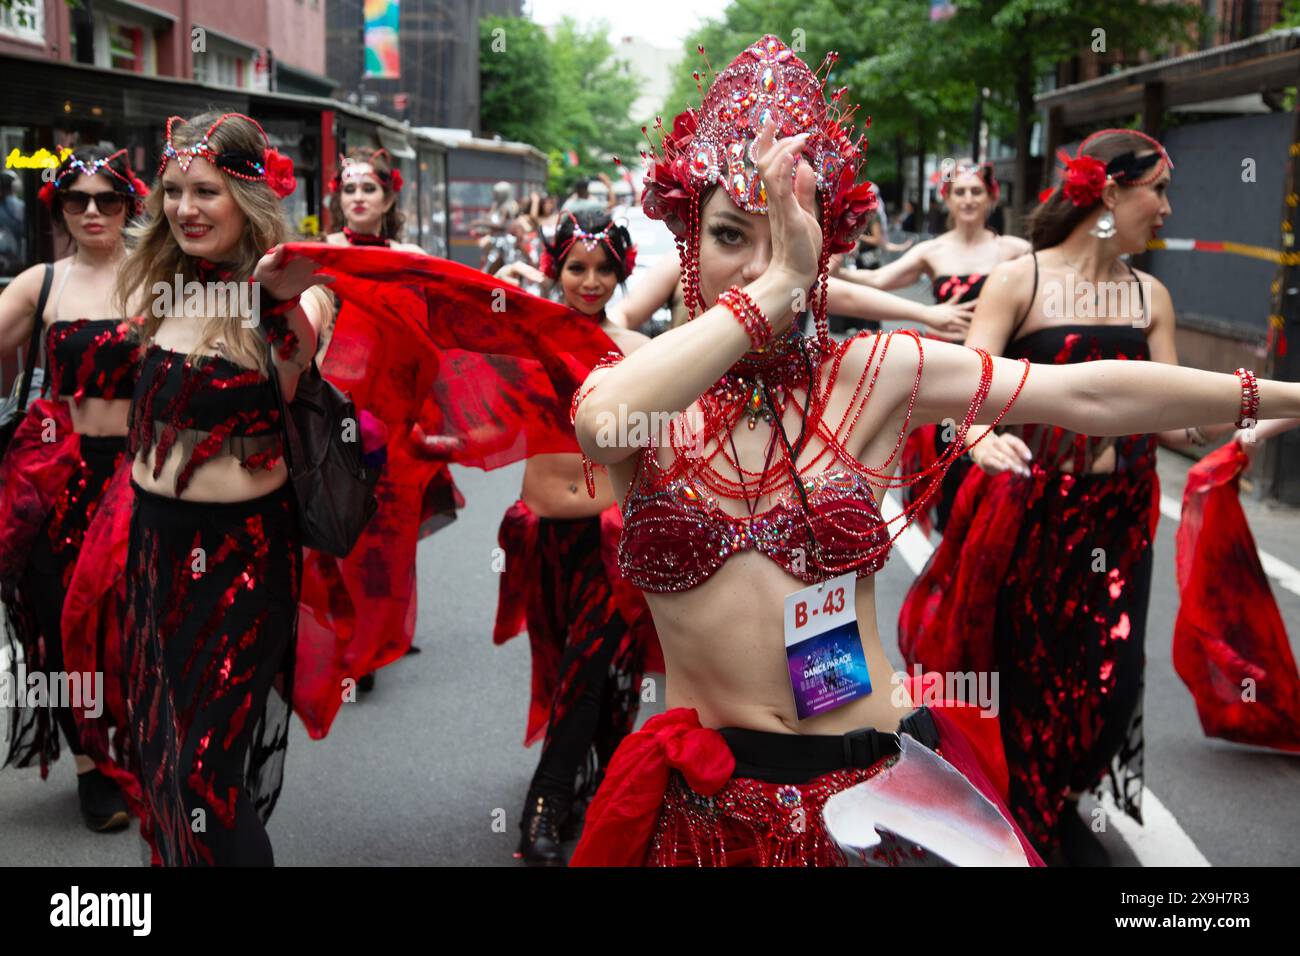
<point x="618" y="245"/>
<point x="390" y="227"/>
<point x="1055" y="219"/>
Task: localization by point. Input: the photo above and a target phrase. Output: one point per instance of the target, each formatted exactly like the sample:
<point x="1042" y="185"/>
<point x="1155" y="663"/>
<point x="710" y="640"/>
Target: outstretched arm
<point x="897" y="275"/>
<point x="1091" y="398"/>
<point x="948" y="320"/>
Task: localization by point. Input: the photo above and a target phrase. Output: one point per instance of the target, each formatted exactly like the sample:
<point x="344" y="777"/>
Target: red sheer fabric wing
<point x="918" y="455"/>
<point x="517" y="538"/>
<point x="367" y="600"/>
<point x="631" y="601"/>
<point x="1230" y="643"/>
<point x="41" y="458"/>
<point x="507" y="364"/>
<point x="946" y="622"/>
<point x="621" y="818"/>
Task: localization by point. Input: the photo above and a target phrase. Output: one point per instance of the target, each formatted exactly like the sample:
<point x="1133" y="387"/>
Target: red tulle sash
<point x="435" y="349"/>
<point x="1230" y="644"/>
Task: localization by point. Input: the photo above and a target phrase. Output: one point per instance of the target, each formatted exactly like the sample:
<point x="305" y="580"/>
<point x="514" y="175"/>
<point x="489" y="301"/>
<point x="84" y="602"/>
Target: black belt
<point x="798" y="758"/>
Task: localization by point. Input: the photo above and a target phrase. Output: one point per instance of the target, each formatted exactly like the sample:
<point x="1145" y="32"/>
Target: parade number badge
<point x="823" y="648"/>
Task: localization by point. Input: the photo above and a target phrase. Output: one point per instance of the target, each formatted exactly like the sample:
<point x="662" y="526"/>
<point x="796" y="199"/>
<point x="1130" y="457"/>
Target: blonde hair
<point x="156" y="257"/>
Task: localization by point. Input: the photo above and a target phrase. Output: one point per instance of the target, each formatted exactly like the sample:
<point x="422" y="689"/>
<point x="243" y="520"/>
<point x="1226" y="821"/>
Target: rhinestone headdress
<point x="714" y="146"/>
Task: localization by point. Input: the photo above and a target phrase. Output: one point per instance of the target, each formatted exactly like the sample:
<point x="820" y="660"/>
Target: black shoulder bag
<point x="32" y="381"/>
<point x="322" y="449"/>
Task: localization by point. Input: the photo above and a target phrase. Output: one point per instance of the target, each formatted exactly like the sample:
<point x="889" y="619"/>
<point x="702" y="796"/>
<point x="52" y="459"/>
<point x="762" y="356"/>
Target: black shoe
<point x="1079" y="845"/>
<point x="539" y="842"/>
<point x="367" y="683"/>
<point x="102" y="805"/>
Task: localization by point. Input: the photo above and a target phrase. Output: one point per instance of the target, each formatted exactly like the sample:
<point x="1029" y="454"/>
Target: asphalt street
<point x="430" y="767"/>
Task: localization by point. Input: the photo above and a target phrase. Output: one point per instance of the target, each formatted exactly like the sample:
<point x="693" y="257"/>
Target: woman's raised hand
<point x="791" y="191"/>
<point x="283" y="279"/>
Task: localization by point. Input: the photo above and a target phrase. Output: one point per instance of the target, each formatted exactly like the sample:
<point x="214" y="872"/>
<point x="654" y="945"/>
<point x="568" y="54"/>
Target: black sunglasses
<point x="109" y="202"/>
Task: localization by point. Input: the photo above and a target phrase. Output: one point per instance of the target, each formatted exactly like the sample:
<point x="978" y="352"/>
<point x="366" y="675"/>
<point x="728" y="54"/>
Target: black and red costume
<point x="53" y="482"/>
<point x="591" y="637"/>
<point x="925" y="445"/>
<point x="212" y="598"/>
<point x="1045" y="580"/>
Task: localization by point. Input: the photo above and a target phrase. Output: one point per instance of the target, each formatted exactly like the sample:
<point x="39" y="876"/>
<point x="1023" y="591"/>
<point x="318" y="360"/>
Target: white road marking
<point x="1161" y="841"/>
<point x="1277" y="569"/>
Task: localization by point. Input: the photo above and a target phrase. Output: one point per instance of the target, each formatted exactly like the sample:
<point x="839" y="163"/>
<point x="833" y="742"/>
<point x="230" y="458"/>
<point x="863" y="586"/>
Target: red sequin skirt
<point x="212" y="598"/>
<point x="1045" y="580"/>
<point x="53" y="491"/>
<point x="769" y="813"/>
<point x="558" y="581"/>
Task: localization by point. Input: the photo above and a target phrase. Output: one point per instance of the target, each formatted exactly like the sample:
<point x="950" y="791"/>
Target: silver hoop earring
<point x="1104" y="228"/>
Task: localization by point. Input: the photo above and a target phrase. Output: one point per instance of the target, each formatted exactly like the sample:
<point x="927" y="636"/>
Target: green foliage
<point x="562" y="94"/>
<point x="917" y="78"/>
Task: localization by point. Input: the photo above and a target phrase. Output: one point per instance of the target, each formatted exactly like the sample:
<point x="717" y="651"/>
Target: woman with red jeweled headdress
<point x="957" y="262"/>
<point x="770" y="507"/>
<point x="1048" y="575"/>
<point x="589" y="631"/>
<point x="56" y="471"/>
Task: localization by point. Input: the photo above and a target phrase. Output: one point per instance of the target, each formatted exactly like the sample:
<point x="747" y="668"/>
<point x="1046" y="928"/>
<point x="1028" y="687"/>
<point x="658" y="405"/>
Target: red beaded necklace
<point x="363" y="238"/>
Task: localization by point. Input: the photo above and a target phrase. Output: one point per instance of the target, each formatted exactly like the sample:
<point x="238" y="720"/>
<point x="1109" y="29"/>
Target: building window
<point x="24" y="20"/>
<point x="126" y="47"/>
<point x="224" y="64"/>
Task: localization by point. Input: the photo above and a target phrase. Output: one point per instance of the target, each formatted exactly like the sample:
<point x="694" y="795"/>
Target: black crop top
<point x="209" y="408"/>
<point x="92" y="358"/>
<point x="957" y="289"/>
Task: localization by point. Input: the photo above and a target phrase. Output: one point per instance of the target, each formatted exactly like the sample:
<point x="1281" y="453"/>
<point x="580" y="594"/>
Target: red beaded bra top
<point x="675" y="536"/>
<point x="207" y="408"/>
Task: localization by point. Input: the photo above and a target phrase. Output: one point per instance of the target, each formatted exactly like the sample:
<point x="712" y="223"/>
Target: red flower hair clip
<point x="548" y="266"/>
<point x="279" y="173"/>
<point x="46" y="195"/>
<point x="1084" y="177"/>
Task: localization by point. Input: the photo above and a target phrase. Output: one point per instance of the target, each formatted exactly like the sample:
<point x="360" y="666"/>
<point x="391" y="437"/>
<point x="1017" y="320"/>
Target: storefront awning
<point x="1259" y="64"/>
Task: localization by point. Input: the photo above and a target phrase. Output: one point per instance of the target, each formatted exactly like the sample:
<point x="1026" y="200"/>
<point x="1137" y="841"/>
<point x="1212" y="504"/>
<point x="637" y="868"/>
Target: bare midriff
<point x="724" y="653"/>
<point x="554" y="487"/>
<point x="218" y="479"/>
<point x="99" y="417"/>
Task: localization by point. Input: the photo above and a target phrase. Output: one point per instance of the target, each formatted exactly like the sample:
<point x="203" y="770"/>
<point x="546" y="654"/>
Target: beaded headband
<point x="1084" y="177"/>
<point x="551" y="258"/>
<point x="714" y="146"/>
<point x="983" y="170"/>
<point x="75" y="166"/>
<point x="271" y="167"/>
<point x="357" y="169"/>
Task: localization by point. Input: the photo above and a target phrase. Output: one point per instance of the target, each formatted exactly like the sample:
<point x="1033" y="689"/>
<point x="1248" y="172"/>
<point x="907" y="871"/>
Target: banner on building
<point x="382" y="61"/>
<point x="939" y="10"/>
